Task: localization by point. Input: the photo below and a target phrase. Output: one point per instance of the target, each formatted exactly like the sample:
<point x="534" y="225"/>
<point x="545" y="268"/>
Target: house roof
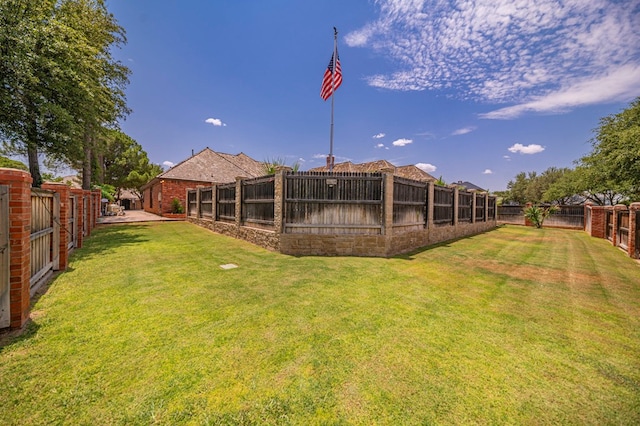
<point x="408" y="172"/>
<point x="469" y="186"/>
<point x="215" y="167"/>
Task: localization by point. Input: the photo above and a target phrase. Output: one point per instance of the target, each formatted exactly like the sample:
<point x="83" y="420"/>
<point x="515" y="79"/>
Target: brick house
<point x="204" y="168"/>
<point x="407" y="172"/>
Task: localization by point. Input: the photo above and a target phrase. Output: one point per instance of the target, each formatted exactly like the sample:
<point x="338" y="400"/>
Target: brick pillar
<point x="64" y="191"/>
<point x="598" y="221"/>
<point x="474" y="204"/>
<point x="96" y="197"/>
<point x="79" y="193"/>
<point x="19" y="183"/>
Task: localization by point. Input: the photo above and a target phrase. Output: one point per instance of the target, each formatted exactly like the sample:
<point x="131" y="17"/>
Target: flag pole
<point x="333" y="91"/>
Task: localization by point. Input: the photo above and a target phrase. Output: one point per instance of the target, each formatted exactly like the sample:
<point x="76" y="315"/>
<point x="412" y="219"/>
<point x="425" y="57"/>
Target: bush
<point x="176" y="206"/>
<point x="537" y="215"/>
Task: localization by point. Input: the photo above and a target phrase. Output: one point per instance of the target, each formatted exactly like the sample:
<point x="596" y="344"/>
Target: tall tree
<point x="60" y="83"/>
<point x="615" y="159"/>
<point x="125" y="164"/>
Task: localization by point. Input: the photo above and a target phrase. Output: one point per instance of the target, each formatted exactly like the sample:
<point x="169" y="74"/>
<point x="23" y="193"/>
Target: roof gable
<point x="408" y="172"/>
<point x="211" y="166"/>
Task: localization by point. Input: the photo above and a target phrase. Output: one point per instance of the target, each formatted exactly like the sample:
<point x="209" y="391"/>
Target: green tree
<point x="615" y="158"/>
<point x="12" y="164"/>
<point x="60" y="82"/>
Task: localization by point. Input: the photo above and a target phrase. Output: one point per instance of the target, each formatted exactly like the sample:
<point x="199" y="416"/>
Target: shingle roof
<point x="408" y="172"/>
<point x="469" y="186"/>
<point x="215" y="167"/>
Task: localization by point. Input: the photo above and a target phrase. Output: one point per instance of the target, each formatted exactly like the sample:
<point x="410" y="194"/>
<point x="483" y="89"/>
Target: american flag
<point x="327" y="87"/>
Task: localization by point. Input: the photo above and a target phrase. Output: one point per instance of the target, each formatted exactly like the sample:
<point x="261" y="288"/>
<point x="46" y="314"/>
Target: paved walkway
<point x="133" y="216"/>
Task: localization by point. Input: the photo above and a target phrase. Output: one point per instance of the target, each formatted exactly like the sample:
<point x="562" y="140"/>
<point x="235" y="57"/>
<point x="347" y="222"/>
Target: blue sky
<point x="468" y="90"/>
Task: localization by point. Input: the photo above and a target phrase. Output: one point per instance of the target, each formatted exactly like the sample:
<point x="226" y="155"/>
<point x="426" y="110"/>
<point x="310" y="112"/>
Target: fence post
<point x="278" y="201"/>
<point x="474" y="205"/>
<point x="456" y="204"/>
<point x="19" y="183"/>
<point x="430" y="200"/>
<point x="387" y="206"/>
<point x="238" y="202"/>
<point x="214" y="202"/>
<point x="63" y="191"/>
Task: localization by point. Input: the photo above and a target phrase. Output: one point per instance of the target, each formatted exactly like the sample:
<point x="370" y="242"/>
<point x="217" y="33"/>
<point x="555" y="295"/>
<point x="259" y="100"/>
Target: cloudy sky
<point x="468" y="90"/>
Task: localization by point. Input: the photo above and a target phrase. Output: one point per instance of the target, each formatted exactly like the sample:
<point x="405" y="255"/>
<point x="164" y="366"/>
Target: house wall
<point x="160" y="194"/>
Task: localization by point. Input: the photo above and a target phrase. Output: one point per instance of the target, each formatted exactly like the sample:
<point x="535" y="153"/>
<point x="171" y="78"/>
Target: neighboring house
<point x="469" y="186"/>
<point x="204" y="168"/>
<point x="408" y="172"/>
<point x="129" y="200"/>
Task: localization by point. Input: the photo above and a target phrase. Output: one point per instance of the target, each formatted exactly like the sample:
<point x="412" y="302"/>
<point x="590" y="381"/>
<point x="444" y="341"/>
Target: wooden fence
<point x="340" y="213"/>
<point x="45" y="234"/>
<point x="565" y="217"/>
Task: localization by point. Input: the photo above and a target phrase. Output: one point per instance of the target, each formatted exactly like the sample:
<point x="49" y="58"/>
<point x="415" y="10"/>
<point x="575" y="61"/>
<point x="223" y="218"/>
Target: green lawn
<point x="515" y="326"/>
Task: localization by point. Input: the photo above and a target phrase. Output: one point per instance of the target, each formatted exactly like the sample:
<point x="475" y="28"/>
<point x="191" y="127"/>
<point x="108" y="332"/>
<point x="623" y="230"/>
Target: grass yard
<point x="515" y="326"/>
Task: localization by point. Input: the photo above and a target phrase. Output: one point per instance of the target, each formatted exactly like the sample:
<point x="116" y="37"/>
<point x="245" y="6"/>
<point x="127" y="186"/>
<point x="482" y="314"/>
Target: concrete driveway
<point x="133" y="216"/>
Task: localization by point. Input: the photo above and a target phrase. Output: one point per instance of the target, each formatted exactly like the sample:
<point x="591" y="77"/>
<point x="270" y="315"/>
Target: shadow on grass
<point x="411" y="255"/>
<point x="106" y="239"/>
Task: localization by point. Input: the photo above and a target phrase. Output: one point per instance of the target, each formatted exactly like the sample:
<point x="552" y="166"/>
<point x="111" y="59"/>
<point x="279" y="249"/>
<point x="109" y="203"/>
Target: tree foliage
<point x="614" y="162"/>
<point x="60" y="83"/>
<point x="125" y="165"/>
<point x="12" y="164"/>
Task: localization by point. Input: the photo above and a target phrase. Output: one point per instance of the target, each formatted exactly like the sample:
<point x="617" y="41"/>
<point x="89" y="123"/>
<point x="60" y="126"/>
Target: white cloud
<point x="526" y="149"/>
<point x="429" y="168"/>
<point x="463" y="131"/>
<point x="380" y="145"/>
<point x="402" y="142"/>
<point x="616" y="86"/>
<point x="215" y="121"/>
<point x="487" y="172"/>
<point x="506" y="157"/>
<point x="541" y="55"/>
<point x="379" y="136"/>
<point x="168" y="164"/>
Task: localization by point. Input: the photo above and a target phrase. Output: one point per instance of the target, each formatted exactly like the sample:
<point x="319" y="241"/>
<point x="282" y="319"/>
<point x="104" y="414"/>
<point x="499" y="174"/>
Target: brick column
<point x="79" y="193"/>
<point x="96" y="197"/>
<point x="598" y="221"/>
<point x="87" y="199"/>
<point x="474" y="204"/>
<point x="19" y="183"/>
<point x="64" y="191"/>
<point x="214" y="202"/>
<point x="387" y="207"/>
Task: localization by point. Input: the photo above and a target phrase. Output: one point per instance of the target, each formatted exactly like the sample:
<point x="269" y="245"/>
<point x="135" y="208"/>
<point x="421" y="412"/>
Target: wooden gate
<point x="72" y="223"/>
<point x="5" y="316"/>
<point x="44" y="238"/>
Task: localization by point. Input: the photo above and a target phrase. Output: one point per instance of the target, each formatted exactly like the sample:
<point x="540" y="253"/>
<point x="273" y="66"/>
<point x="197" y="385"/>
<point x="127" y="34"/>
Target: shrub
<point x="537" y="215"/>
<point x="176" y="206"/>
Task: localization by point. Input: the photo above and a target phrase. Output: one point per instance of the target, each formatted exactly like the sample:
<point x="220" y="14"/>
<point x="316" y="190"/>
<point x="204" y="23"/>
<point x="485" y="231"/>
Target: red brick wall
<point x="19" y="183"/>
<point x="598" y="221"/>
<point x="163" y="193"/>
<point x="65" y="234"/>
